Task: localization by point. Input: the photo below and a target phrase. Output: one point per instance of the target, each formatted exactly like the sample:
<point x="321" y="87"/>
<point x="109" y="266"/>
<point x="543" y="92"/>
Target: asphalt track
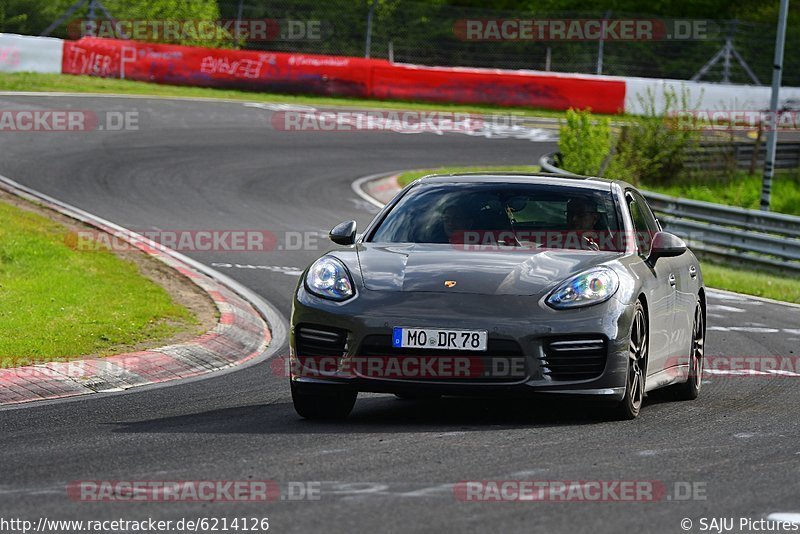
<point x="392" y="464"/>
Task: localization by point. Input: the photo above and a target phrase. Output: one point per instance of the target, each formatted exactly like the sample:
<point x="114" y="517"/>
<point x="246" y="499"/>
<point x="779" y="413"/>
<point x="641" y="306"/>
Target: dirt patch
<point x="182" y="290"/>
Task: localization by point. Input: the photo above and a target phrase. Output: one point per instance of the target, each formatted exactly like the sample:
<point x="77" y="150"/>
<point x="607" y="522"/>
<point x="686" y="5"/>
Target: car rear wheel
<point x="690" y="389"/>
<point x="631" y="404"/>
<point x="317" y="401"/>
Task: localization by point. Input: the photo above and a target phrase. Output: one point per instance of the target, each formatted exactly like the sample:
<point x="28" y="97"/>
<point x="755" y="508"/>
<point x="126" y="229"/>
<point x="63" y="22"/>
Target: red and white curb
<point x="242" y="335"/>
<point x="378" y="189"/>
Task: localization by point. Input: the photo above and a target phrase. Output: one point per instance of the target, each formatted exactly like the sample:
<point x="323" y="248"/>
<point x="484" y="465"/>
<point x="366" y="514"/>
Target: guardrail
<point x="748" y="237"/>
<point x="719" y="156"/>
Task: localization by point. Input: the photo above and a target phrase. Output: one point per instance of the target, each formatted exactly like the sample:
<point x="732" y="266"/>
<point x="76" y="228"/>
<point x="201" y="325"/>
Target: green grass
<point x="743" y="190"/>
<point x="57" y="302"/>
<point x="28" y="81"/>
<point x="752" y="283"/>
<point x="409" y="176"/>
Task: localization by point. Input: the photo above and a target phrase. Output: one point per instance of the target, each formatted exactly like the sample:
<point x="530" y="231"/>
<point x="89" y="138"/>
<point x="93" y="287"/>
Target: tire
<point x="690" y="389"/>
<point x="314" y="401"/>
<point x="638" y="349"/>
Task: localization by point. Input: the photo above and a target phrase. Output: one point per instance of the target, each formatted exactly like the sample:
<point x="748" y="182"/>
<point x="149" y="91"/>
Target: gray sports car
<point x="500" y="284"/>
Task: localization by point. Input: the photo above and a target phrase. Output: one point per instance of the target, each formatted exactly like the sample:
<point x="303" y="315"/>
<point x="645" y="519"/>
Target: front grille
<point x="503" y="360"/>
<point x="316" y="340"/>
<point x="574" y="359"/>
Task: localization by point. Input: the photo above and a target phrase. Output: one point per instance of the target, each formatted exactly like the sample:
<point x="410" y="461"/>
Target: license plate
<point x="435" y="338"/>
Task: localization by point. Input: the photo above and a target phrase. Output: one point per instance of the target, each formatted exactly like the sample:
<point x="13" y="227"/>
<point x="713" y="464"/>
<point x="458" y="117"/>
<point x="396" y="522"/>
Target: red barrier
<point x="210" y="67"/>
<point x="498" y="87"/>
<point x="337" y="75"/>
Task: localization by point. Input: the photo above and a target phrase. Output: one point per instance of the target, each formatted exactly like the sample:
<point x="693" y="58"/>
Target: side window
<point x="644" y="224"/>
<point x="647" y="213"/>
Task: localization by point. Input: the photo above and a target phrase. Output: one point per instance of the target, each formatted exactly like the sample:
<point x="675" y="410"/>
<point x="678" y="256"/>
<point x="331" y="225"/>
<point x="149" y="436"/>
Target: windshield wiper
<point x="511" y="221"/>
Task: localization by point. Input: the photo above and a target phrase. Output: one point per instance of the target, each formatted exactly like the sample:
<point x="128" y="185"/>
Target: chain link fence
<point x="428" y="33"/>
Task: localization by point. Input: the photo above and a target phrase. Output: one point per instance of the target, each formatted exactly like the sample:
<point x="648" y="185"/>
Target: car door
<point x="659" y="282"/>
<point x="685" y="268"/>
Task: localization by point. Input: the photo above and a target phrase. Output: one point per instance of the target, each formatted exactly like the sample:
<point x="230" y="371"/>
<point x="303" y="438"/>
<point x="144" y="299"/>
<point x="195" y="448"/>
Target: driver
<point x="582" y="214"/>
<point x="582" y="217"/>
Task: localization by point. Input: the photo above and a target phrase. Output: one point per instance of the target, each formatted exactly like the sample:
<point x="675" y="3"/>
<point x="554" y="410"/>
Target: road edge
<point x="249" y="330"/>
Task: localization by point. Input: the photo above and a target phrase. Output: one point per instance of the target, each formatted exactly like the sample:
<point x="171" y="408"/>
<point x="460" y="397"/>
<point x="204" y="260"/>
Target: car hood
<point x="426" y="267"/>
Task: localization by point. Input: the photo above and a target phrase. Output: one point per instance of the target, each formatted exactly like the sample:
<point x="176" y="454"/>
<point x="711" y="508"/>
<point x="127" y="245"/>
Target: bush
<point x="584" y="142"/>
<point x="649" y="149"/>
<point x="652" y="148"/>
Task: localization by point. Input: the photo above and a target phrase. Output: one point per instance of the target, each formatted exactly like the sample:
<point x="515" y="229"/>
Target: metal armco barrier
<point x="743" y="236"/>
<point x="721" y="156"/>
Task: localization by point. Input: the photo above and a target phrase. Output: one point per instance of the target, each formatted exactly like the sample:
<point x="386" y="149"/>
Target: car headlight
<point x="590" y="287"/>
<point x="328" y="278"/>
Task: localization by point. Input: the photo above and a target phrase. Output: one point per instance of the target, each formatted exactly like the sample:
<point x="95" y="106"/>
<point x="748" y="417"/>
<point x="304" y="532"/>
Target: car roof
<point x="539" y="178"/>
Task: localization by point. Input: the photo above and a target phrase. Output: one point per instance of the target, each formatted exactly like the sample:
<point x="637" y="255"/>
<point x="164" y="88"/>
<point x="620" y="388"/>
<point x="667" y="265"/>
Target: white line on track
<point x="752" y="329"/>
<point x="723" y="308"/>
<point x="291" y="271"/>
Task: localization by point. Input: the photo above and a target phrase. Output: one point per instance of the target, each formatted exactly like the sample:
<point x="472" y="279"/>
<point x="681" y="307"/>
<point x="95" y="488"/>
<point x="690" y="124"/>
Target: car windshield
<point x="503" y="214"/>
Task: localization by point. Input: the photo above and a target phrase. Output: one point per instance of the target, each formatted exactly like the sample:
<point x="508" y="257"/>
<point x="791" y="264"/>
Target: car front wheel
<point x="631" y="404"/>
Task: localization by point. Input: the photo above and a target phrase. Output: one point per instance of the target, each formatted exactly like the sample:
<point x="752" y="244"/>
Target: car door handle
<point x="693" y="271"/>
<point x="672" y="279"/>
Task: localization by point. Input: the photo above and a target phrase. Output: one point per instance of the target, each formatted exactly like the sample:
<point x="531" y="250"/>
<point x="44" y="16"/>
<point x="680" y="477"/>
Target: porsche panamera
<point x="500" y="284"/>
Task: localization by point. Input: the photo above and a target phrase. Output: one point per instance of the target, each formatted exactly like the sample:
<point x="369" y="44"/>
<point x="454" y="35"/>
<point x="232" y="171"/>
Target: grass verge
<point x="58" y="303"/>
<point x="748" y="282"/>
<point x="67" y="83"/>
<point x="743" y="190"/>
<point x="755" y="283"/>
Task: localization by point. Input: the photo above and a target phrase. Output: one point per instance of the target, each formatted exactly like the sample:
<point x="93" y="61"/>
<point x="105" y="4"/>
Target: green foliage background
<point x="33" y="16"/>
<point x="422" y="31"/>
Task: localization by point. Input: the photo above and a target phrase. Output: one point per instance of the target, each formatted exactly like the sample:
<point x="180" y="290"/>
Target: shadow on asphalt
<point x="382" y="414"/>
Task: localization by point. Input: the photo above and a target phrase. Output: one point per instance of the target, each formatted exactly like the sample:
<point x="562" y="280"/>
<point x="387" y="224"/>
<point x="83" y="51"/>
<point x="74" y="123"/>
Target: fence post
<point x="772" y="134"/>
<point x="368" y="45"/>
<point x="601" y="44"/>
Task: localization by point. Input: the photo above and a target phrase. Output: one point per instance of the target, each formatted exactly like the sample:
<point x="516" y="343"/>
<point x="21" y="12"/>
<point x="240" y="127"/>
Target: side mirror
<point x="665" y="245"/>
<point x="344" y="233"/>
